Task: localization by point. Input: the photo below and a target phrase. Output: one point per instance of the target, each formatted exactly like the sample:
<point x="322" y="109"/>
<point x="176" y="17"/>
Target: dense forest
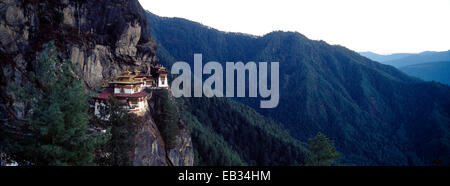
<point x="376" y="114"/>
<point x="228" y="133"/>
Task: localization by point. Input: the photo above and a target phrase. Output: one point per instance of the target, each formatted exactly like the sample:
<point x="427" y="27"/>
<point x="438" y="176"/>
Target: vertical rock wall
<point x="102" y="37"/>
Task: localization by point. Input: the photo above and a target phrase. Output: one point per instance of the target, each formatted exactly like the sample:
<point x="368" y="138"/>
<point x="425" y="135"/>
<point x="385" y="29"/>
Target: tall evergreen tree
<point x="323" y="152"/>
<point x="168" y="118"/>
<point x="122" y="123"/>
<point x="55" y="131"/>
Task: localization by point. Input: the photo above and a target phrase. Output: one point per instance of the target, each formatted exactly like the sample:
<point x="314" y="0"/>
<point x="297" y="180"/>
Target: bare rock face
<point x="149" y="149"/>
<point x="126" y="45"/>
<point x="183" y="153"/>
<point x="103" y="38"/>
<point x="148" y="140"/>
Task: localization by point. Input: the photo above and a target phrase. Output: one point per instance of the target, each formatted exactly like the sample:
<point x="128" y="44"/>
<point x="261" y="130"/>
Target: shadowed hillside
<point x="376" y="114"/>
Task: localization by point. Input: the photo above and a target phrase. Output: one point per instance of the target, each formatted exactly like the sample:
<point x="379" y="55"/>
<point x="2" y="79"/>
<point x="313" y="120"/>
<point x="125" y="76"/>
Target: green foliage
<point x="228" y="133"/>
<point x="377" y="114"/>
<point x="210" y="148"/>
<point x="323" y="151"/>
<point x="123" y="129"/>
<point x="167" y="119"/>
<point x="55" y="131"/>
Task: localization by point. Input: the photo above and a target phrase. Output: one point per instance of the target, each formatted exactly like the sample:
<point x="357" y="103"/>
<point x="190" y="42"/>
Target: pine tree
<point x="168" y="118"/>
<point x="55" y="131"/>
<point x="323" y="152"/>
<point x="122" y="124"/>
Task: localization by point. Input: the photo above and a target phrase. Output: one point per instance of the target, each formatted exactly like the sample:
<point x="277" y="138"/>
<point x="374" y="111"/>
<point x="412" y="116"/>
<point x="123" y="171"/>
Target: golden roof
<point x="126" y="72"/>
<point x="127" y="78"/>
<point x="126" y="82"/>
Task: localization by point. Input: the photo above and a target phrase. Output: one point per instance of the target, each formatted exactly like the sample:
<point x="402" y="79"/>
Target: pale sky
<point x="381" y="26"/>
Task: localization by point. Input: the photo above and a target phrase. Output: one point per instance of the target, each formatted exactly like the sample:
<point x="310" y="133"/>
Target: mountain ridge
<point x="382" y="58"/>
<point x="405" y="59"/>
<point x="428" y="65"/>
<point x="365" y="106"/>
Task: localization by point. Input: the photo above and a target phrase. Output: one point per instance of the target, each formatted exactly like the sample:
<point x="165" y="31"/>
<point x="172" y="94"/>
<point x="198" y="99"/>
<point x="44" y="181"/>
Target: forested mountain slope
<point x="376" y="114"/>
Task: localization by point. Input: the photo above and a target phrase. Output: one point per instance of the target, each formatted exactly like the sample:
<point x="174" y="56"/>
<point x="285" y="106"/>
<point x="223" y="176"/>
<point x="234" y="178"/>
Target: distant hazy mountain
<point x="434" y="71"/>
<point x="376" y="114"/>
<point x="382" y="58"/>
<point x="404" y="59"/>
<point x="424" y="57"/>
<point x="429" y="66"/>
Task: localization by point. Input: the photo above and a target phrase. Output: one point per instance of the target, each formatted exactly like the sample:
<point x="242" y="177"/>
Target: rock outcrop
<point x="183" y="152"/>
<point x="149" y="148"/>
<point x="148" y="141"/>
<point x="102" y="38"/>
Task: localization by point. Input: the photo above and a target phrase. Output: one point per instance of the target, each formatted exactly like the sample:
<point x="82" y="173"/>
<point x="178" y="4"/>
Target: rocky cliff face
<point x="103" y="38"/>
<point x="183" y="152"/>
<point x="150" y="149"/>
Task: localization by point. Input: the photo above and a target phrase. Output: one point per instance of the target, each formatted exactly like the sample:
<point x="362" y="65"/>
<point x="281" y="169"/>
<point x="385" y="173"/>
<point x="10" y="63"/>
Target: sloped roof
<point x="106" y="94"/>
<point x="135" y="95"/>
<point x="109" y="92"/>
